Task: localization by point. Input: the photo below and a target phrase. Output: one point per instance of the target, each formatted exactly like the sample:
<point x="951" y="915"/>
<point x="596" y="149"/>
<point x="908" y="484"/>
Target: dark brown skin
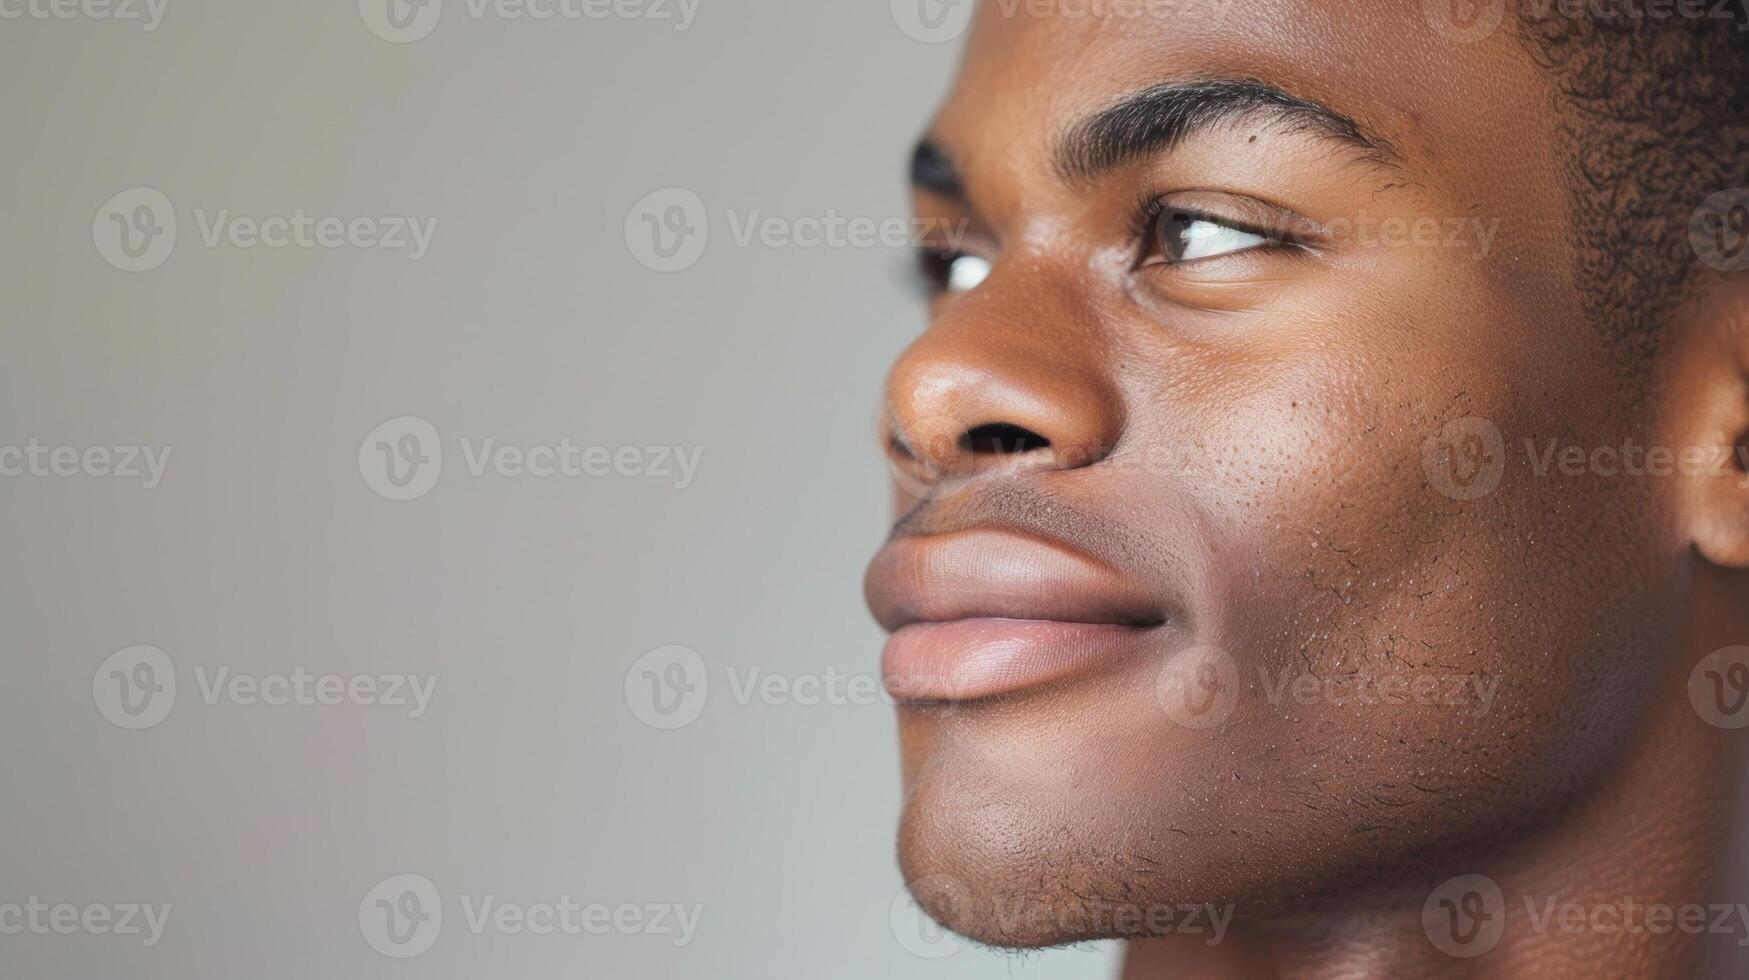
<point x="1242" y="438"/>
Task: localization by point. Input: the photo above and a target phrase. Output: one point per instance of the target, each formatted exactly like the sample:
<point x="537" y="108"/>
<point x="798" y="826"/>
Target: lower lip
<point x="969" y="659"/>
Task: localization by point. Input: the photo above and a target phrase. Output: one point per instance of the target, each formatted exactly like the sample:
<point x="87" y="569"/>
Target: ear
<point x="1709" y="377"/>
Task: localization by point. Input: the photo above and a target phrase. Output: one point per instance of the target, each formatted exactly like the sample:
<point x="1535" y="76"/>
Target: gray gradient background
<point x="264" y="550"/>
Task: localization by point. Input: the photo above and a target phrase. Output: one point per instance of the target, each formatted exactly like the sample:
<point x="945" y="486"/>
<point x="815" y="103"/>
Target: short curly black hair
<point x="1654" y="98"/>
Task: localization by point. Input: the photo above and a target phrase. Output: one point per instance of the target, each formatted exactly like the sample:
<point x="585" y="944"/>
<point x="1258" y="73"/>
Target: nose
<point x="1001" y="382"/>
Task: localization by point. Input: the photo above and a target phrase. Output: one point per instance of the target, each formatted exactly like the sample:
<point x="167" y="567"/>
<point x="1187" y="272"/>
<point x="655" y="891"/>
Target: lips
<point x="975" y="614"/>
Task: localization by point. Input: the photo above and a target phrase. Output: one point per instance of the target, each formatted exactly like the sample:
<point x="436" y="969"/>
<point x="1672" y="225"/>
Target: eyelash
<point x="1150" y="211"/>
<point x="1145" y="217"/>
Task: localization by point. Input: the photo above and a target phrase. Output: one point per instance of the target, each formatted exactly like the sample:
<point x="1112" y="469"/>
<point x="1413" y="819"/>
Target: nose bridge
<point x="1008" y="374"/>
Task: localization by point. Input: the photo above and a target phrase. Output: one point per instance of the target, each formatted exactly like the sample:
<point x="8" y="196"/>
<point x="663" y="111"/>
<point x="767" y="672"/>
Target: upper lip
<point x="999" y="574"/>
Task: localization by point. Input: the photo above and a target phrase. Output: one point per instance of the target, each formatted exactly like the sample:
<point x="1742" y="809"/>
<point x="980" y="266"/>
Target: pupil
<point x="1175" y="235"/>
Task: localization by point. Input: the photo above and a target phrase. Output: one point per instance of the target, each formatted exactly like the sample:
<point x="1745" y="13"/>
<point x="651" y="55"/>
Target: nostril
<point x="1002" y="437"/>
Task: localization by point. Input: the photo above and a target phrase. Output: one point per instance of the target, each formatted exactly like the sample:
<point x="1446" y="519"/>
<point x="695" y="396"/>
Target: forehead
<point x="1462" y="101"/>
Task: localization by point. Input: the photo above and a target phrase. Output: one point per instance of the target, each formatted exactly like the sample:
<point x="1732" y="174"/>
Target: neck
<point x="1628" y="882"/>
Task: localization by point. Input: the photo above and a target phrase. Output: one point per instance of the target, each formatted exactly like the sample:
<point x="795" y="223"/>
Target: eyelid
<point x="1279" y="226"/>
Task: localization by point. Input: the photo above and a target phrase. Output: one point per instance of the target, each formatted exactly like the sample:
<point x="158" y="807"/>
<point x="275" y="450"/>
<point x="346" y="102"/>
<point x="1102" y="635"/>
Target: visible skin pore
<point x="1244" y="440"/>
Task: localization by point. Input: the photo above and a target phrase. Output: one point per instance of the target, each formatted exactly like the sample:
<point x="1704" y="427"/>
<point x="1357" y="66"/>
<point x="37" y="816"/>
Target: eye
<point x="966" y="272"/>
<point x="1185" y="236"/>
<point x="954" y="272"/>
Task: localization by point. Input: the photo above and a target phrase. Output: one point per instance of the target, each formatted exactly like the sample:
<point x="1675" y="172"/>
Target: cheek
<point x="1330" y="521"/>
<point x="1418" y="606"/>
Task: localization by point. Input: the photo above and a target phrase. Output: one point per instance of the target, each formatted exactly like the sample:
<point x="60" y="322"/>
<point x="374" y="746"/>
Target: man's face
<point x="1273" y="601"/>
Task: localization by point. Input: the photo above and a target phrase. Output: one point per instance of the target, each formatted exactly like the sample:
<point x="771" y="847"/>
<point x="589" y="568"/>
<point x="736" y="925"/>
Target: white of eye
<point x="965" y="272"/>
<point x="1203" y="239"/>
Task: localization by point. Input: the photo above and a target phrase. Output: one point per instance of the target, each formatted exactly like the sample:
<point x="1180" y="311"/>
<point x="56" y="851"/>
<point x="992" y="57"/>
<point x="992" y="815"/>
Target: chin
<point x="990" y="893"/>
<point x="1077" y="812"/>
<point x="1015" y="876"/>
<point x="1021" y="834"/>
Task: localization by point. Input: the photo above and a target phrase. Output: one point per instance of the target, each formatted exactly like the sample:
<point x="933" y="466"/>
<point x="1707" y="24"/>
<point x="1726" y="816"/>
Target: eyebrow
<point x="934" y="171"/>
<point x="1159" y="118"/>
